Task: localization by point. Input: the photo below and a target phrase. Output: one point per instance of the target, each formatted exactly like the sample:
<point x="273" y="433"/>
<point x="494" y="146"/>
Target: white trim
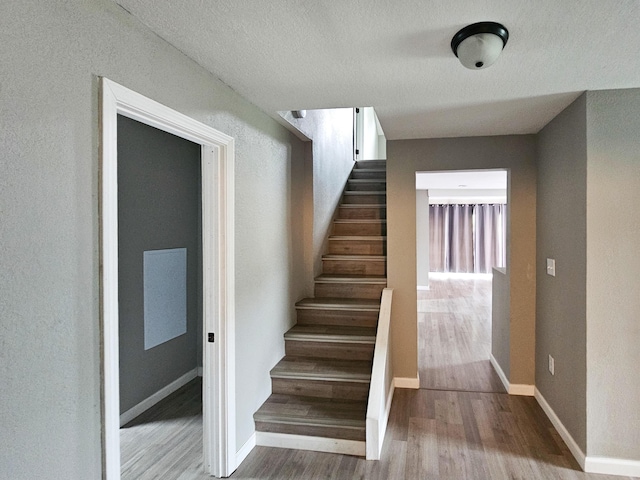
<point x="612" y="466"/>
<point x="590" y="464"/>
<point x="575" y="450"/>
<point x="376" y="430"/>
<point x="407" y="382"/>
<point x="382" y="385"/>
<point x="161" y="394"/>
<point x="521" y="389"/>
<point x="109" y="285"/>
<point x="423" y="287"/>
<point x="245" y="450"/>
<point x="500" y="372"/>
<point x="511" y="388"/>
<point x="218" y="280"/>
<point x="317" y="444"/>
<point x="387" y="408"/>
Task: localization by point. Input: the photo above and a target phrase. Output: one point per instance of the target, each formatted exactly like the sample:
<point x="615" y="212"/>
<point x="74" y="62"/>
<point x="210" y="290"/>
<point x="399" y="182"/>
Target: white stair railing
<point x="381" y="389"/>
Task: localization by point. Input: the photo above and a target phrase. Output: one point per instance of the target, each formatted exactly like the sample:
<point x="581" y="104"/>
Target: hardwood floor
<point x="165" y="442"/>
<point x="432" y="434"/>
<point x="454" y="335"/>
<point x="438" y="433"/>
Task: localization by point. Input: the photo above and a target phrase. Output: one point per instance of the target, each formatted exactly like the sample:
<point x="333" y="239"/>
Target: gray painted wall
<point x="406" y="157"/>
<point x="587" y="318"/>
<point x="51" y="57"/>
<point x="159" y="207"/>
<point x="501" y="320"/>
<point x="613" y="282"/>
<point x="329" y="161"/>
<point x="422" y="237"/>
<point x="562" y="235"/>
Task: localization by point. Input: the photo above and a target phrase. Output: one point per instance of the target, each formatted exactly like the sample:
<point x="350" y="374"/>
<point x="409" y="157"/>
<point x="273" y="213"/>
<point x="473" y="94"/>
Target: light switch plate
<point x="551" y="267"/>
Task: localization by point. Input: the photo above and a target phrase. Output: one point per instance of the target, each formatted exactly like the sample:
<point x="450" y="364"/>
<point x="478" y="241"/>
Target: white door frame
<point x="218" y="274"/>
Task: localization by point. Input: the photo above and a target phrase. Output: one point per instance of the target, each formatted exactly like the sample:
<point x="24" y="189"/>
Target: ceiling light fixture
<point x="479" y="45"/>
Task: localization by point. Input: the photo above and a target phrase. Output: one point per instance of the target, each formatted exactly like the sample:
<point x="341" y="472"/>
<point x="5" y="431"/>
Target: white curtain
<point x="467" y="238"/>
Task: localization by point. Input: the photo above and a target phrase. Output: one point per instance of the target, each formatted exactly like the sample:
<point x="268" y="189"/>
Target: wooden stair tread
<point x="331" y="333"/>
<point x="365" y="192"/>
<point x="369" y="279"/>
<point x="357" y="237"/>
<point x="379" y="206"/>
<point x="374" y="161"/>
<point x="358" y="304"/>
<point x="323" y="412"/>
<point x="371" y="170"/>
<point x="360" y="258"/>
<point x="326" y="369"/>
<point x="360" y="220"/>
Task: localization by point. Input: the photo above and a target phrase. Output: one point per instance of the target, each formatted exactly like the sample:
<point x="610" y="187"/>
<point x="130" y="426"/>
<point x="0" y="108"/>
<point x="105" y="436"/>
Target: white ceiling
<point x="396" y="56"/>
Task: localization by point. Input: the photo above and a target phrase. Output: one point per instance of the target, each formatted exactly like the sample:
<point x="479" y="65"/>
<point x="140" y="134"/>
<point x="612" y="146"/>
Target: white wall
<point x="52" y="54"/>
<point x="370" y="139"/>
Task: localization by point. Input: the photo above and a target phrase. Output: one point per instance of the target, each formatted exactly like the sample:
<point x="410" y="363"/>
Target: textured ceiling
<point x="396" y="56"/>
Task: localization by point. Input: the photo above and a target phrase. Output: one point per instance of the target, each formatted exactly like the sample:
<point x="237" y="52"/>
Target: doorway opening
<point x="160" y="299"/>
<point x="461" y="226"/>
<point x="218" y="357"/>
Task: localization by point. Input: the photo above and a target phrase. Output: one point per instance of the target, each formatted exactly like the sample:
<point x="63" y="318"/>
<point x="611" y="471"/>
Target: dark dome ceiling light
<point x="479" y="45"/>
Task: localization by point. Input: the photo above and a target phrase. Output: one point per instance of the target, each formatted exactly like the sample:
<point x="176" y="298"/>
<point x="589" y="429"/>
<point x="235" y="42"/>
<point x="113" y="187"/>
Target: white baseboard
<point x="574" y="448"/>
<point x="612" y="466"/>
<point x="512" y="388"/>
<point x="407" y="382"/>
<point x="500" y="372"/>
<point x="590" y="464"/>
<point x="245" y="450"/>
<point x="318" y="444"/>
<point x="149" y="402"/>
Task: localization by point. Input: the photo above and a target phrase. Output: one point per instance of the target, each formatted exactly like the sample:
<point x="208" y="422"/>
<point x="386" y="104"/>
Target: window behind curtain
<point x="467" y="238"/>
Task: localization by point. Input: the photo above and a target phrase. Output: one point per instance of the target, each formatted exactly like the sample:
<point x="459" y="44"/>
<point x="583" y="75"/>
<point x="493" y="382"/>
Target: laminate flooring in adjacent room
<point x="454" y="334"/>
<point x="166" y="440"/>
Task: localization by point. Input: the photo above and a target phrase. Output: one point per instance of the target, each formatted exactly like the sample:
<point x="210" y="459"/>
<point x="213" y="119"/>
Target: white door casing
<point x="218" y="273"/>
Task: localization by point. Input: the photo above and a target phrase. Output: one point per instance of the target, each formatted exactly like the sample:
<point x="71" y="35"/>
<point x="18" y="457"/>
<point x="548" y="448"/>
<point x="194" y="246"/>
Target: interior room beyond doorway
<point x="461" y="230"/>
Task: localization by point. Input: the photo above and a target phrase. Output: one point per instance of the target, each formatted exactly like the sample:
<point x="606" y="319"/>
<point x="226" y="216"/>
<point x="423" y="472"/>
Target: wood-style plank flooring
<point x="439" y="433"/>
<point x="432" y="434"/>
<point x="166" y="440"/>
<point x="454" y="334"/>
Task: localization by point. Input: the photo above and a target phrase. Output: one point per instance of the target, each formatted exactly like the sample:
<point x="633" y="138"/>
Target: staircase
<point x="320" y="388"/>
